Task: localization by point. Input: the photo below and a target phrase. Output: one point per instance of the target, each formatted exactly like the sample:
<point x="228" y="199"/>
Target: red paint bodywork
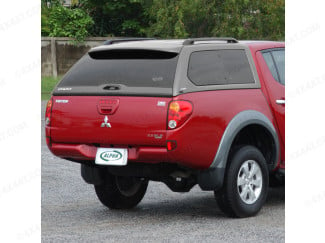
<point x="140" y="125"/>
<point x="272" y="90"/>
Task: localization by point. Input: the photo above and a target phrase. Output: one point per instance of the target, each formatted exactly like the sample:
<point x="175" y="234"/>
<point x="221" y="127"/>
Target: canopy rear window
<point x="127" y="68"/>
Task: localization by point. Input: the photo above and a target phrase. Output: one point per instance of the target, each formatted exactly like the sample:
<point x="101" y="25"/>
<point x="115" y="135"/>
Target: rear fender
<point x="212" y="178"/>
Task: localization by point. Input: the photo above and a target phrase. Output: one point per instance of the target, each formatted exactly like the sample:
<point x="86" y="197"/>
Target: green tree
<point x="165" y="19"/>
<point x="242" y="19"/>
<point x="69" y="23"/>
<point x="60" y="21"/>
<point x="199" y="17"/>
<point x="115" y="18"/>
<point x="45" y="28"/>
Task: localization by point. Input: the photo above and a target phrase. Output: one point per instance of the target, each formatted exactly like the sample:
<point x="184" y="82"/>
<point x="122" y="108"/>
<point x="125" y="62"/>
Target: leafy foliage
<point x="45" y="29"/>
<point x="245" y="19"/>
<point x="242" y="19"/>
<point x="58" y="20"/>
<point x="69" y="22"/>
<point x="115" y="18"/>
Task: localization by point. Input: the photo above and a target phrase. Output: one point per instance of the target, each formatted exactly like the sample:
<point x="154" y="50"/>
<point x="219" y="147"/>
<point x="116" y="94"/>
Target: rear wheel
<point x="246" y="183"/>
<point x="119" y="192"/>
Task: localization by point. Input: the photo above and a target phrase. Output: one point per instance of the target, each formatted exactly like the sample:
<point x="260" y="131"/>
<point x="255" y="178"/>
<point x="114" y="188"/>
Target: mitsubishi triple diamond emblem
<point x="106" y="123"/>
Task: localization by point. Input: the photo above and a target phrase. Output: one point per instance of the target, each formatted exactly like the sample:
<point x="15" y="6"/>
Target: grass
<point x="48" y="84"/>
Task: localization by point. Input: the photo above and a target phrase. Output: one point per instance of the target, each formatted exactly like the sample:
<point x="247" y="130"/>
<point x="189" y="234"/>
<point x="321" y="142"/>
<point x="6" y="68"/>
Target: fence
<point x="59" y="53"/>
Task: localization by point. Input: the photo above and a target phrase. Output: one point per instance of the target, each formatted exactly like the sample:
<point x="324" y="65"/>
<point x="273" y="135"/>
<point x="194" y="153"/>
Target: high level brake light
<point x="178" y="113"/>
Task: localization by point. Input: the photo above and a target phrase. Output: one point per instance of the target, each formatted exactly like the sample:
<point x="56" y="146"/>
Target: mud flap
<point x="211" y="179"/>
<point x="92" y="175"/>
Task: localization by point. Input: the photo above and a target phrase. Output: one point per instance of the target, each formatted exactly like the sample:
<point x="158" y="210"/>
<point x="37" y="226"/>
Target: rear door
<point x="115" y="98"/>
<point x="272" y="62"/>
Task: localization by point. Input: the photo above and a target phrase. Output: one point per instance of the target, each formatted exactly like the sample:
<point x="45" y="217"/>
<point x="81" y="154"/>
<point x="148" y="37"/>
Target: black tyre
<point x="246" y="183"/>
<point x="121" y="192"/>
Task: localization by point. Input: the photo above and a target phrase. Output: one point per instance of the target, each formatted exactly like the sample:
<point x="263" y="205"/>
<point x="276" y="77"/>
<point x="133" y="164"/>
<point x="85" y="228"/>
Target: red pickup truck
<point x="206" y="111"/>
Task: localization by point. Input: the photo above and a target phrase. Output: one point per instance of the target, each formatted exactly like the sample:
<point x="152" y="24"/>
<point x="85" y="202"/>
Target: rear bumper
<point x="86" y="154"/>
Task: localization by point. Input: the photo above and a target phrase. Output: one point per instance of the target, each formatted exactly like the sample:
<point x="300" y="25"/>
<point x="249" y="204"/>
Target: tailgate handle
<point x="111" y="87"/>
<point x="106" y="110"/>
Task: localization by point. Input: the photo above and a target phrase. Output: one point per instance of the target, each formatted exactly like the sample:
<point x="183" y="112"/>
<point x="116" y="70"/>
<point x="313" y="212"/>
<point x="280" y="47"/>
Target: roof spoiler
<point x="131" y="54"/>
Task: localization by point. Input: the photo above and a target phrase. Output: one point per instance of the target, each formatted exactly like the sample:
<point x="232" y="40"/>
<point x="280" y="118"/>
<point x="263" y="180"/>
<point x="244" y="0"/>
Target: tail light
<point x="48" y="114"/>
<point x="178" y="113"/>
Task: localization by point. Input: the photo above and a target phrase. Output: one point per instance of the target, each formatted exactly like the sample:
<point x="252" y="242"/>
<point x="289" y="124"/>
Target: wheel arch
<point x="243" y="123"/>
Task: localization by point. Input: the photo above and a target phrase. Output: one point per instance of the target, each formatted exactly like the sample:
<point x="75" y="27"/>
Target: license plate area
<point x="111" y="156"/>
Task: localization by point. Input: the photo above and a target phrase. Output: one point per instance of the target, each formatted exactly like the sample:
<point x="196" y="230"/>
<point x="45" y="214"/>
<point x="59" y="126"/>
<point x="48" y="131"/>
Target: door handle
<point x="280" y="102"/>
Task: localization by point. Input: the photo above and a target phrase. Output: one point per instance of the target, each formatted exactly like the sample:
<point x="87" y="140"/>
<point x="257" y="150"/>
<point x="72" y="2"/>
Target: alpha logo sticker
<point x="110" y="155"/>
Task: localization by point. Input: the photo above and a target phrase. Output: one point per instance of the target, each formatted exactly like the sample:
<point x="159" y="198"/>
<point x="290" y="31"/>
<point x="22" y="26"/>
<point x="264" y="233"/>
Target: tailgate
<point x="115" y="97"/>
<point x="109" y="120"/>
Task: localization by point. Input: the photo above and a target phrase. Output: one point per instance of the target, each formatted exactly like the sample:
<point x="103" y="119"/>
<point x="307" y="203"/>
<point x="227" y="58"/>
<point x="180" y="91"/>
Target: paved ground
<point x="72" y="213"/>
